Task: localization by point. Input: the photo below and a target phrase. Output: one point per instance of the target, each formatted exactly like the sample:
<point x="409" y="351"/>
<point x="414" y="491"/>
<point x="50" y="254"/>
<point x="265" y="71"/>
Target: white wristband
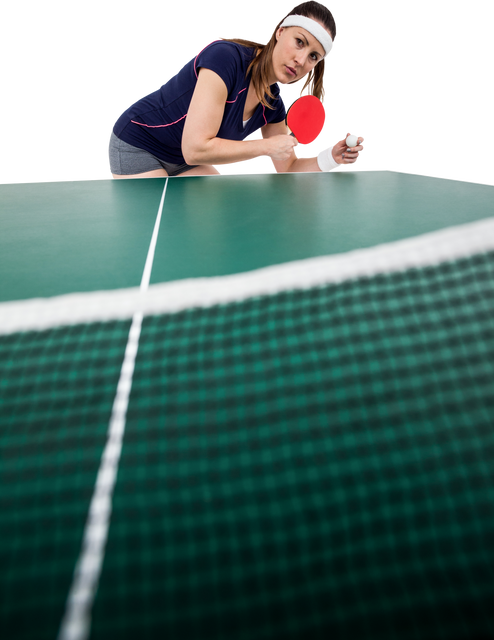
<point x="326" y="161"/>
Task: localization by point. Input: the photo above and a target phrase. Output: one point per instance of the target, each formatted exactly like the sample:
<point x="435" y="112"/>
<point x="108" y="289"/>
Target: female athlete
<point x="201" y="117"/>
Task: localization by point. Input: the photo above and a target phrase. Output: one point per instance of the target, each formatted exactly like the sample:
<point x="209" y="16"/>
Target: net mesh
<point x="301" y="465"/>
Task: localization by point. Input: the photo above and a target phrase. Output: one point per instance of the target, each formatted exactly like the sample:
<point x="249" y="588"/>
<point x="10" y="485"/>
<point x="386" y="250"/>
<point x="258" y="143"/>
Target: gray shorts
<point x="126" y="160"/>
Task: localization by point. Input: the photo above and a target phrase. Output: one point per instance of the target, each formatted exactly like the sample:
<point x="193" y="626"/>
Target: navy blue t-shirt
<point x="156" y="122"/>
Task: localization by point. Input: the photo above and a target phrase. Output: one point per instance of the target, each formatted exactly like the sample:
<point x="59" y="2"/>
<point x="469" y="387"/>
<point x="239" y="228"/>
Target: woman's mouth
<point x="291" y="72"/>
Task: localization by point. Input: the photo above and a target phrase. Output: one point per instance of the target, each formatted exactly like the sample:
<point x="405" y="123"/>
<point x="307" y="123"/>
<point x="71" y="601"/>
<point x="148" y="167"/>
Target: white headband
<point x="312" y="27"/>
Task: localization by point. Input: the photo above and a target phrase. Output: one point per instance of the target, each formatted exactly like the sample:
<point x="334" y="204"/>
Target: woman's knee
<point x="158" y="173"/>
<point x="202" y="170"/>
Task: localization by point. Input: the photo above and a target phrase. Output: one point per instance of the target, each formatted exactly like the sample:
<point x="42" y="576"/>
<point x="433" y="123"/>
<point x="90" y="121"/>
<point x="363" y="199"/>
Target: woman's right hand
<point x="280" y="147"/>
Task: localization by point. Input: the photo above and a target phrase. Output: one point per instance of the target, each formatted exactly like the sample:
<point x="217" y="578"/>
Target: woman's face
<point x="296" y="53"/>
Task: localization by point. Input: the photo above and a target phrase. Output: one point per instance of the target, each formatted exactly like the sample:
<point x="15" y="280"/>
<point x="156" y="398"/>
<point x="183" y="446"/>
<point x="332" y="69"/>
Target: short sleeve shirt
<point x="156" y="123"/>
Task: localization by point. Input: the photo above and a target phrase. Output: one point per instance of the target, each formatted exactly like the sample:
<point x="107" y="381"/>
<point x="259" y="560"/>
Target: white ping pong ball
<point x="352" y="141"/>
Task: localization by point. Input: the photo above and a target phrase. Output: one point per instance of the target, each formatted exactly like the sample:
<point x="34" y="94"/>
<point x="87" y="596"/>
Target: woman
<point x="202" y="115"/>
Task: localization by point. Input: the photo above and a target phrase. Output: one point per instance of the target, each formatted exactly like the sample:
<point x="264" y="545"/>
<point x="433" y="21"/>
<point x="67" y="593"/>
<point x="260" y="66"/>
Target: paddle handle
<point x="292" y="134"/>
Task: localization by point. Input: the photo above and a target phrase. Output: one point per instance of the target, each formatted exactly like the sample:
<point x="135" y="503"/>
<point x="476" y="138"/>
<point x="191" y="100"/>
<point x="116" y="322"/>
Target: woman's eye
<point x="301" y="43"/>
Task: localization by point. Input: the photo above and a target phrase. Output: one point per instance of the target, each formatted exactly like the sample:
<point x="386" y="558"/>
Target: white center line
<point x="76" y="623"/>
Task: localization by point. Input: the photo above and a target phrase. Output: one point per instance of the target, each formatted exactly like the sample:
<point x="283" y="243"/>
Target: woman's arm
<point x="299" y="164"/>
<point x="292" y="163"/>
<point x="199" y="142"/>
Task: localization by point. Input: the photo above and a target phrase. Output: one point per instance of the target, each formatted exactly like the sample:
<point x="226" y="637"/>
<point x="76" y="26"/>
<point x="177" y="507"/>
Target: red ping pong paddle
<point x="305" y="119"/>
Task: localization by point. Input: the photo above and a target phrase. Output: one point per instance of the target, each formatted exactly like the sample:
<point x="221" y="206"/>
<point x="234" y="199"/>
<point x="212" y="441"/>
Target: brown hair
<point x="260" y="63"/>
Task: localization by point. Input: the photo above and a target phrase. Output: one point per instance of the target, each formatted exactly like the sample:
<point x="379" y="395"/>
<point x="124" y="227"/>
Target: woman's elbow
<point x="194" y="152"/>
<point x="190" y="154"/>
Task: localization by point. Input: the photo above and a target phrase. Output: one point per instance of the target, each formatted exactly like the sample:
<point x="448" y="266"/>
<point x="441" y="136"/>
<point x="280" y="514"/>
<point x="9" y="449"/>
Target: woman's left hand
<point x="342" y="154"/>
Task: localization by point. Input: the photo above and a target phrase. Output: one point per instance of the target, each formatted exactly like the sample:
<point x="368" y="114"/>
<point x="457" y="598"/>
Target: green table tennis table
<point x="247" y="408"/>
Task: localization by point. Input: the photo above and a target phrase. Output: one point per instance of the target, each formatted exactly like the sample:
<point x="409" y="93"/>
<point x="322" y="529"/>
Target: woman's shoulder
<point x="229" y="49"/>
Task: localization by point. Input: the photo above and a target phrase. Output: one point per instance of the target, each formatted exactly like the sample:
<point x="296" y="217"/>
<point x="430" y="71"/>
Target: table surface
<point x="59" y="238"/>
